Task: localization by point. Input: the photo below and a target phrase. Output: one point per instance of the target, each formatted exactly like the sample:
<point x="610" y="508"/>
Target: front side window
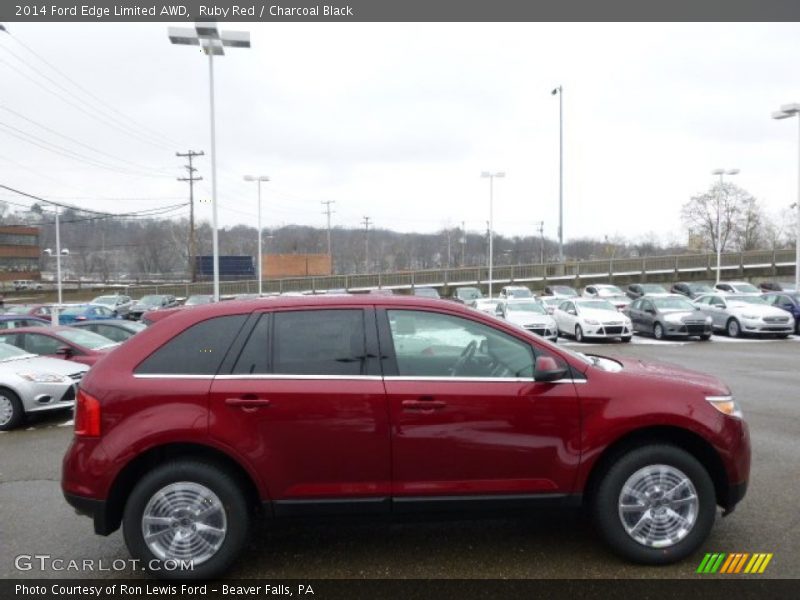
<point x="198" y="350"/>
<point x="430" y="344"/>
<point x="41" y="344"/>
<point x="319" y="342"/>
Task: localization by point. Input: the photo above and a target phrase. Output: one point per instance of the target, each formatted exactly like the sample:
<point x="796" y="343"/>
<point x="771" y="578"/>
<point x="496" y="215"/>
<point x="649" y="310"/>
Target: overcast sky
<point x="397" y="121"/>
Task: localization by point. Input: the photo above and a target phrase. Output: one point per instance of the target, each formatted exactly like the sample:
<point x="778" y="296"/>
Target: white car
<point x="584" y="318"/>
<point x="739" y="314"/>
<point x="549" y="303"/>
<point x="607" y="292"/>
<point x="737" y="287"/>
<point x="485" y="305"/>
<point x="530" y="315"/>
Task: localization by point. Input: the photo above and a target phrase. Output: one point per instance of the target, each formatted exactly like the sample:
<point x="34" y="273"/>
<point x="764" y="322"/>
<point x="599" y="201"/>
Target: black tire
<point x="782" y="336"/>
<point x="658" y="331"/>
<point x="626" y="339"/>
<point x="578" y="333"/>
<point x="732" y="328"/>
<point x="605" y="504"/>
<point x="17" y="416"/>
<point x="705" y="337"/>
<point x="225" y="487"/>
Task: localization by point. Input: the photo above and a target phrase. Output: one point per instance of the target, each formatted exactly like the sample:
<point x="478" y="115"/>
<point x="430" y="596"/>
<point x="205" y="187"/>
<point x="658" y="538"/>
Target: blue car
<point x="788" y="301"/>
<point x="85" y="312"/>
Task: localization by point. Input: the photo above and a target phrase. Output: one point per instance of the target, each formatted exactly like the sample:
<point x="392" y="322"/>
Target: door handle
<point x="423" y="405"/>
<point x="248" y="401"/>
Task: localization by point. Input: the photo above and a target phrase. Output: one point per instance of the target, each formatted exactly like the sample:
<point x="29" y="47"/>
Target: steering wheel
<point x="464" y="358"/>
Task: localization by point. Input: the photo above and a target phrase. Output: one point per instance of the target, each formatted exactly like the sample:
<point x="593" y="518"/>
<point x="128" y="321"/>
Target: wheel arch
<point x="679" y="437"/>
<point x="127" y="478"/>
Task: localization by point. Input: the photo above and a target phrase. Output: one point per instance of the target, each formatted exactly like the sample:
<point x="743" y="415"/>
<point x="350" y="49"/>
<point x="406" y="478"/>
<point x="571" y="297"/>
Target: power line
<point x="110" y="106"/>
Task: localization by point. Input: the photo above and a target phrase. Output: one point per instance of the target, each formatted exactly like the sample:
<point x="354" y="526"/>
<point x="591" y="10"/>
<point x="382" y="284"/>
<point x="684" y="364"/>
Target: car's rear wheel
<point x="11" y="412"/>
<point x="655" y="504"/>
<point x="733" y="328"/>
<point x="578" y="333"/>
<point x="705" y="337"/>
<point x="186" y="513"/>
<point x="626" y="339"/>
<point x="658" y="331"/>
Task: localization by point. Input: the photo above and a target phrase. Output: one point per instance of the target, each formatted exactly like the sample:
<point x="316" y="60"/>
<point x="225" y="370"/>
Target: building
<point x="19" y="253"/>
<point x="231" y="268"/>
<point x="295" y="265"/>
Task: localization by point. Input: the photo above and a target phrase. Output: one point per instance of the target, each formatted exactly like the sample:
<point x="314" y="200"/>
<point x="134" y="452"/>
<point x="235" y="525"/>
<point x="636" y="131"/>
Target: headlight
<point x="592" y="322"/>
<point x="749" y="316"/>
<point x="709" y="320"/>
<point x="726" y="405"/>
<point x="44" y="377"/>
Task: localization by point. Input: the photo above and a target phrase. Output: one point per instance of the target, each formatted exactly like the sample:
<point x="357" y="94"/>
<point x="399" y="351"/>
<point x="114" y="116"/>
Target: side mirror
<point x="547" y="369"/>
<point x="64" y="351"/>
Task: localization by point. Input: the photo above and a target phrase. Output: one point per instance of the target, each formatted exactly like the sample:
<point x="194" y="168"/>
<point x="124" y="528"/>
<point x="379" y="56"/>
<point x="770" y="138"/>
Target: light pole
<point x="208" y="37"/>
<point x="258" y="179"/>
<point x="721" y="173"/>
<point x="491" y="176"/>
<point x="560" y="91"/>
<point x="786" y="111"/>
<point x="59" y="253"/>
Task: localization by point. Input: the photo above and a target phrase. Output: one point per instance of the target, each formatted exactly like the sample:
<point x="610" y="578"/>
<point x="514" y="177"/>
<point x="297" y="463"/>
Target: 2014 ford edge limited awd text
<point x="386" y="405"/>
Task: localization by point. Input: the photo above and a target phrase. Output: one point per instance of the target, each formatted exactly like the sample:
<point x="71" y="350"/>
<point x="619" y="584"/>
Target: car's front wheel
<point x="658" y="331"/>
<point x="655" y="504"/>
<point x="186" y="519"/>
<point x="11" y="411"/>
<point x="578" y="333"/>
<point x="733" y="328"/>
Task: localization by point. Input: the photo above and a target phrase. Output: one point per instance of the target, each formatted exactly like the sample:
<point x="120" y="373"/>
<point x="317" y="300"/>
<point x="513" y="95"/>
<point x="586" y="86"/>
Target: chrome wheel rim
<point x="6" y="410"/>
<point x="658" y="506"/>
<point x="733" y="329"/>
<point x="184" y="521"/>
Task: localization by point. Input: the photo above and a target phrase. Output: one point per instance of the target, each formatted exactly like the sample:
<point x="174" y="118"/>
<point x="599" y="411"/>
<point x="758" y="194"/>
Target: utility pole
<point x="448" y="247"/>
<point x="328" y="212"/>
<point x="541" y="242"/>
<point x="560" y="91"/>
<point x="463" y="243"/>
<point x="366" y="222"/>
<point x="191" y="179"/>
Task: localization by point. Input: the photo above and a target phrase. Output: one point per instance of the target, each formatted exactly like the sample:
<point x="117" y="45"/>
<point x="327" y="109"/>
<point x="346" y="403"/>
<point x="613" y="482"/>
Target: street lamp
<point x="206" y="35"/>
<point x="786" y="111"/>
<point x="560" y="91"/>
<point x="721" y="173"/>
<point x="59" y="253"/>
<point x="491" y="176"/>
<point x="258" y="179"/>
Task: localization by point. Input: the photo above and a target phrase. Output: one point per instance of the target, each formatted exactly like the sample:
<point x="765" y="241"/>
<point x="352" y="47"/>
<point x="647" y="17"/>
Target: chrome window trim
<point x="289" y="377"/>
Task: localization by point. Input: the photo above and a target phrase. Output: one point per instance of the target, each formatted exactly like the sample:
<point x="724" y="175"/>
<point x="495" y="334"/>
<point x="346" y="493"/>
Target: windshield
<point x="553" y="301"/>
<point x="564" y="290"/>
<point x="426" y="292"/>
<point x="16" y="310"/>
<point x="193" y="300"/>
<point x="519" y="293"/>
<point x="700" y="288"/>
<point x="748" y="300"/>
<point x="87" y="339"/>
<point x="653" y="288"/>
<point x="487" y="302"/>
<point x="526" y="307"/>
<point x="135" y="326"/>
<point x="469" y="293"/>
<point x="672" y="304"/>
<point x="151" y="300"/>
<point x="74" y="310"/>
<point x="8" y="352"/>
<point x="595" y="305"/>
<point x="746" y="288"/>
<point x="106" y="300"/>
<point x="608" y="290"/>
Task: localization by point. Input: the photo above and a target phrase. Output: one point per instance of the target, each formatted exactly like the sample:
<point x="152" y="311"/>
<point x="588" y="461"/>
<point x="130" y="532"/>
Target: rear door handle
<point x="423" y="405"/>
<point x="248" y="401"/>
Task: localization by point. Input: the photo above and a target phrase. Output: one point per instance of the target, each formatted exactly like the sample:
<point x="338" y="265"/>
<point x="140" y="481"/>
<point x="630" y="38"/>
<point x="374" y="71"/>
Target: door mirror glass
<point x="548" y="369"/>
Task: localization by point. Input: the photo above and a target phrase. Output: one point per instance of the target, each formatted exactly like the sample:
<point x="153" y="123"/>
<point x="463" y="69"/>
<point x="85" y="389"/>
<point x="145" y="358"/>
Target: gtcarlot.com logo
<point x="734" y="563"/>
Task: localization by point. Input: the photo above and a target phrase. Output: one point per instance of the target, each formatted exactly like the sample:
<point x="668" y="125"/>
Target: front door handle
<point x="250" y="401"/>
<point x="423" y="405"/>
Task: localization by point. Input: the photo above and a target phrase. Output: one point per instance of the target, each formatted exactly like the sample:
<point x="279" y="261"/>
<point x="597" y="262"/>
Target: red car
<point x="387" y="405"/>
<point x="43" y="311"/>
<point x="60" y="342"/>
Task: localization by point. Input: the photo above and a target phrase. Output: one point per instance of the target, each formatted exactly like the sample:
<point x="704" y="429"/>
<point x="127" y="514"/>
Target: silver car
<point x="121" y="305"/>
<point x="739" y="314"/>
<point x="31" y="383"/>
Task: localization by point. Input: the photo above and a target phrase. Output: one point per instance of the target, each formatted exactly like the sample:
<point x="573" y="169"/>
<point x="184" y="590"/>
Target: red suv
<point x="387" y="405"/>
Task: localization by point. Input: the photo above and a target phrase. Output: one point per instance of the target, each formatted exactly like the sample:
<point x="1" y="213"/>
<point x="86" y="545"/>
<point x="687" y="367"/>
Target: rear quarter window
<point x="198" y="350"/>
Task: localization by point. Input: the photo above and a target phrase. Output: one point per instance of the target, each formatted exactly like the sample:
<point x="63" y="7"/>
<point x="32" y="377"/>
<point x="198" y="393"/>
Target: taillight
<point x="87" y="415"/>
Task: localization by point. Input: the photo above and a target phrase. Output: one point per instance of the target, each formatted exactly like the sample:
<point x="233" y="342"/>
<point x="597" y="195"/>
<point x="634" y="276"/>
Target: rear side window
<point x="198" y="350"/>
<point x="319" y="342"/>
<point x="254" y="358"/>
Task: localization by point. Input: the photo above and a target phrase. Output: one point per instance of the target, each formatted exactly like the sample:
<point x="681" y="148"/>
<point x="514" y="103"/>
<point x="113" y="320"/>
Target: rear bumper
<point x="96" y="509"/>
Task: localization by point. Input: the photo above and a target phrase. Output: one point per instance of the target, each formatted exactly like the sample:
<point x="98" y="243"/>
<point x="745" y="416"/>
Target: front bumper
<point x="759" y="326"/>
<point x="607" y="331"/>
<point x="687" y="329"/>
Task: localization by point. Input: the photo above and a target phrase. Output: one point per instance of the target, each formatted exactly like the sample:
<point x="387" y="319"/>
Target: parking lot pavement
<point x="763" y="376"/>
